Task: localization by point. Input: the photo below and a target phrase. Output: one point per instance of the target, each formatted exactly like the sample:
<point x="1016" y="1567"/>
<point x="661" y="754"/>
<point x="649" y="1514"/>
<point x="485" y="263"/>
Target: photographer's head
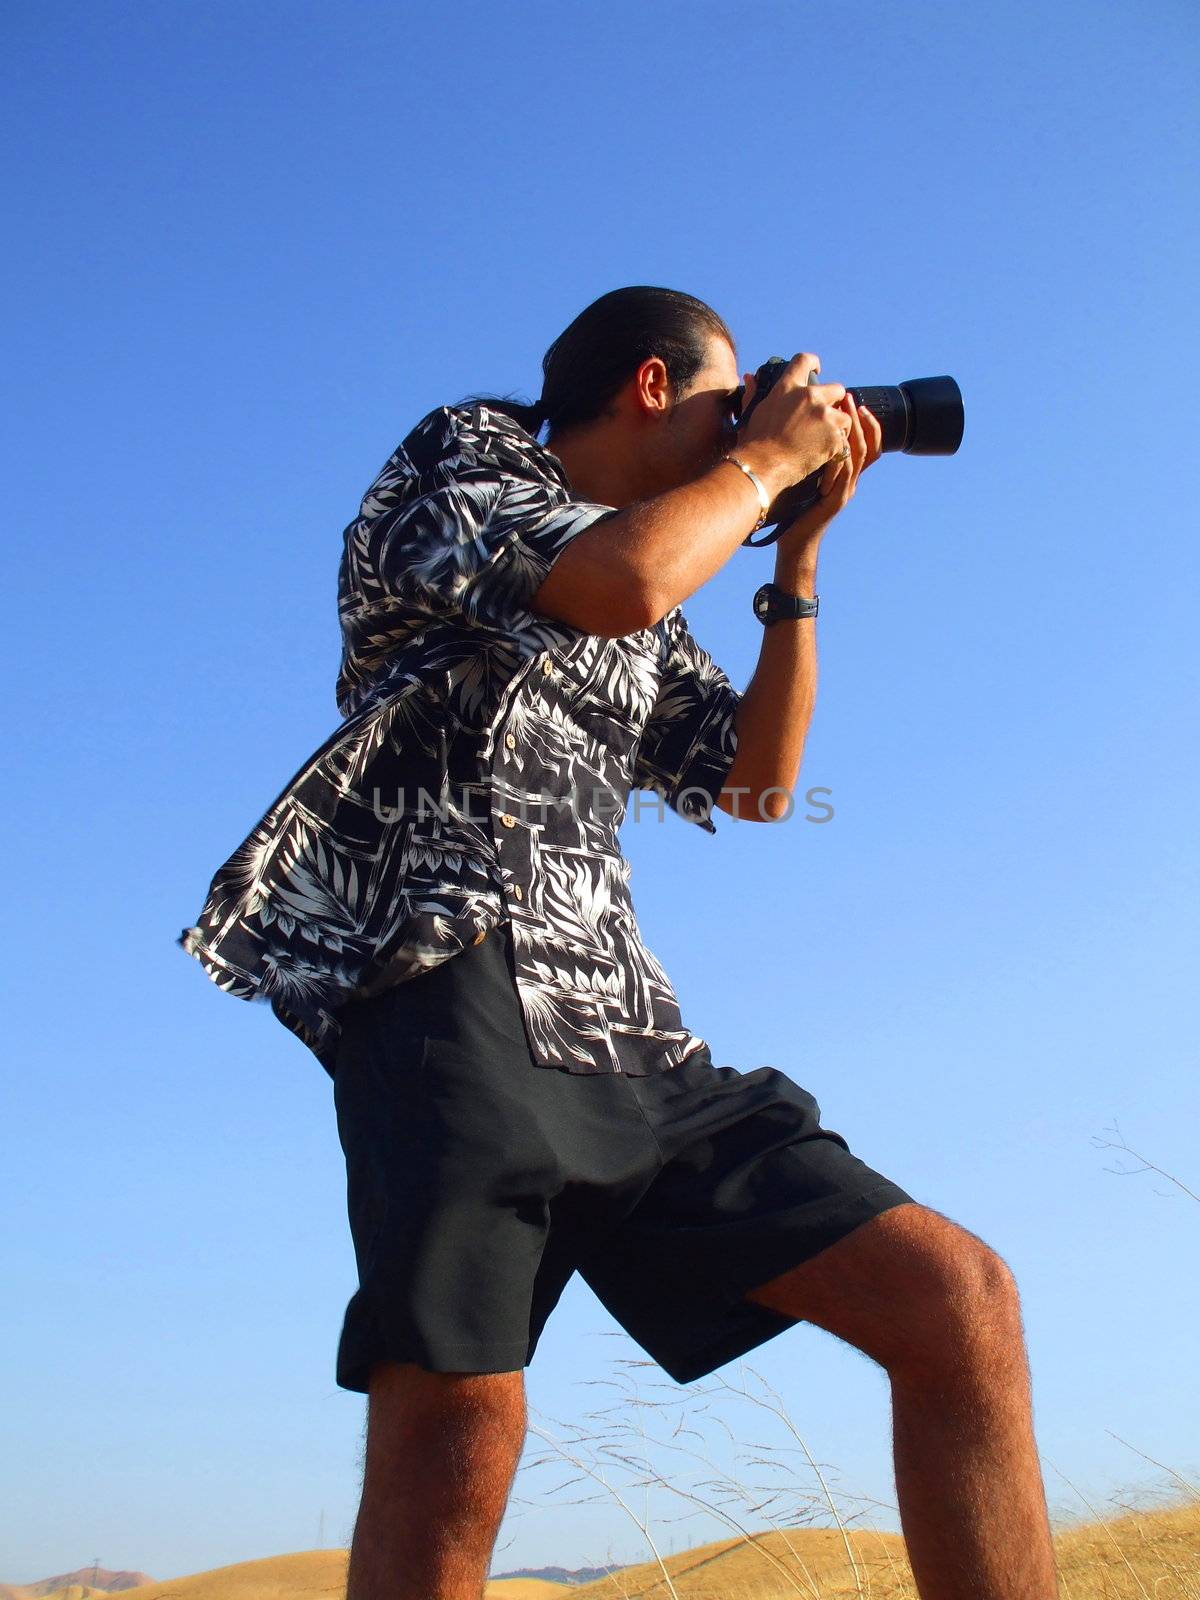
<point x="636" y="394"/>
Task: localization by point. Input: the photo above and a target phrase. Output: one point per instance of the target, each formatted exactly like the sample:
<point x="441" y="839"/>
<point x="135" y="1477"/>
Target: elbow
<point x="645" y="606"/>
<point x="750" y="803"/>
<point x="635" y="598"/>
<point x="774" y="805"/>
<point x="606" y="619"/>
<point x="609" y="603"/>
<point x="771" y="805"/>
<point x="628" y="607"/>
<point x="736" y="801"/>
<point x="653" y="601"/>
<point x="631" y="602"/>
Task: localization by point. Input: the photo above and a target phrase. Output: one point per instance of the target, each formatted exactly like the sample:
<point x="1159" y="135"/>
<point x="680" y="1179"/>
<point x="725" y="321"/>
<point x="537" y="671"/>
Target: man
<point x="517" y="1094"/>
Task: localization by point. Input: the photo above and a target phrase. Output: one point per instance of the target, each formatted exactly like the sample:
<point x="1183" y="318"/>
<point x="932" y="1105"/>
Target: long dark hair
<point x="600" y="351"/>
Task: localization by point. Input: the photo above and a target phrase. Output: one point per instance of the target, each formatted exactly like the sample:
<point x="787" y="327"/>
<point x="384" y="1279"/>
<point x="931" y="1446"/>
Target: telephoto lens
<point x="921" y="417"/>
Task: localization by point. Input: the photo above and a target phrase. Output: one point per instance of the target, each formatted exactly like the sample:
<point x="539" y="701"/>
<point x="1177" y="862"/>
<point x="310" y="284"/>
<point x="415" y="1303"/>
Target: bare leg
<point x="968" y="1482"/>
<point x="442" y="1451"/>
<point x="940" y="1312"/>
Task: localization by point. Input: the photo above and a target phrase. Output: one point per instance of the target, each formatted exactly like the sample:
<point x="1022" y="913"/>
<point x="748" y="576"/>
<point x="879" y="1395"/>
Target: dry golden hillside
<point x="1146" y="1553"/>
<point x="1135" y="1557"/>
<point x="1138" y="1556"/>
<point x="794" y="1562"/>
<point x="303" y="1575"/>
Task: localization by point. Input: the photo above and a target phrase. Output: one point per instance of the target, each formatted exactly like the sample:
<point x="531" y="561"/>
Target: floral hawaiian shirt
<point x="480" y="773"/>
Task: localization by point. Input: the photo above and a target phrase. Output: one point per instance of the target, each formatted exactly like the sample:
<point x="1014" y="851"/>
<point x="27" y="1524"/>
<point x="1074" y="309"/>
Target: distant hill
<point x="84" y="1582"/>
<point x="559" y="1574"/>
<point x="305" y="1575"/>
<point x="523" y="1589"/>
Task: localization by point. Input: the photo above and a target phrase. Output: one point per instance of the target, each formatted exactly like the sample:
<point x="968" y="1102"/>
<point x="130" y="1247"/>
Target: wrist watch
<point x="771" y="603"/>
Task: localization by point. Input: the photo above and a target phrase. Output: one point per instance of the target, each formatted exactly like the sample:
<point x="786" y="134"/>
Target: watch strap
<point x="773" y="604"/>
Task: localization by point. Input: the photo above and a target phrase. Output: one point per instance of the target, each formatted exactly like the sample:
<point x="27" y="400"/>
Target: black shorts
<point x="478" y="1182"/>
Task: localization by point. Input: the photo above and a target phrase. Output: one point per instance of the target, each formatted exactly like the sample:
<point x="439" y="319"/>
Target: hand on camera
<point x="839" y="477"/>
<point x="797" y="426"/>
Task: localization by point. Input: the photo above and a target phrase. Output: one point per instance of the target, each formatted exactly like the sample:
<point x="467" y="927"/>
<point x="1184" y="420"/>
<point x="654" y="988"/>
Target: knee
<point x="986" y="1291"/>
<point x="964" y="1300"/>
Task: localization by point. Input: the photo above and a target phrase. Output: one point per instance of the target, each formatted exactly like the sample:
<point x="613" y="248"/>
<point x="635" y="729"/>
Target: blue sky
<point x="254" y="246"/>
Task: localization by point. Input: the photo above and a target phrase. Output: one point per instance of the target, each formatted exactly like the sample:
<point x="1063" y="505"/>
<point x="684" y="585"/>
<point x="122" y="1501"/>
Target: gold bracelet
<point x="763" y="496"/>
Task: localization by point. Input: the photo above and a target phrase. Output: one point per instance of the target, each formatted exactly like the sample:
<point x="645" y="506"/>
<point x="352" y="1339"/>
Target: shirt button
<point x="509" y="822"/>
<point x="510" y="741"/>
<point x="519" y="892"/>
<point x="480" y="936"/>
<point x="547" y="665"/>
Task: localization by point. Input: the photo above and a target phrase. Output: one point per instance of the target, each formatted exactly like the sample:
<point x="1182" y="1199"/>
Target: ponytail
<point x="529" y="416"/>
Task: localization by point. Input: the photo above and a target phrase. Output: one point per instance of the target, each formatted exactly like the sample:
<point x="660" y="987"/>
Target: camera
<point x="922" y="417"/>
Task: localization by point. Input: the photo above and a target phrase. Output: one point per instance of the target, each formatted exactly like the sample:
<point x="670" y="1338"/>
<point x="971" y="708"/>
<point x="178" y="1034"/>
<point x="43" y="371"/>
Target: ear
<point x="651" y="386"/>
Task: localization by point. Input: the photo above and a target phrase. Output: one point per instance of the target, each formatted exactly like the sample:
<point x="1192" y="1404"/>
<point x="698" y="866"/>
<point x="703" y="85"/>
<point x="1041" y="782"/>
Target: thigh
<point x="751" y="1184"/>
<point x="751" y="1178"/>
<point x="471" y="1172"/>
<point x="438" y="1106"/>
<point x="901" y="1286"/>
<point x="448" y="1176"/>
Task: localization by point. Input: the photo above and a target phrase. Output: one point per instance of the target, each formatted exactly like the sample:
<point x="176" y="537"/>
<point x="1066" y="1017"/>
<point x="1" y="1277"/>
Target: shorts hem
<point x="467" y="1357"/>
<point x="746" y="1324"/>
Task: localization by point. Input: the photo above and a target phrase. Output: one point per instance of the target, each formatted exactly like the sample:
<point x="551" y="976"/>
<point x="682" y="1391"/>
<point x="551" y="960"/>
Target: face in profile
<point x="699" y="429"/>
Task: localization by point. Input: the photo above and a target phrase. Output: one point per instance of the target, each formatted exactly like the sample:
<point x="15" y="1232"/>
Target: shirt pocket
<point x="615" y="701"/>
<point x="614" y="733"/>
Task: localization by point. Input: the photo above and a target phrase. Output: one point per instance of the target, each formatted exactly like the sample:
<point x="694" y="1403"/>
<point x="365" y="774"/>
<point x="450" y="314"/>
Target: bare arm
<point x="777" y="706"/>
<point x="774" y="713"/>
<point x="630" y="569"/>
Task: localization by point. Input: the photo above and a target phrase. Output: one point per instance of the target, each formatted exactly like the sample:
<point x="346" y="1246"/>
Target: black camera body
<point x="922" y="417"/>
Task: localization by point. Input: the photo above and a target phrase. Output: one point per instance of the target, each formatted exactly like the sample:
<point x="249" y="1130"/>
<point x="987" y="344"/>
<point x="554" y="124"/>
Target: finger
<point x="843" y="454"/>
<point x="801" y="367"/>
<point x="853" y="446"/>
<point x="860" y="461"/>
<point x="838" y="468"/>
<point x="858" y="443"/>
<point x="873" y="429"/>
<point x="833" y="470"/>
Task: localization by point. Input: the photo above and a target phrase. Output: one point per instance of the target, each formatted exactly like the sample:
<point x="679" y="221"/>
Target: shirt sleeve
<point x="455" y="526"/>
<point x="689" y="741"/>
